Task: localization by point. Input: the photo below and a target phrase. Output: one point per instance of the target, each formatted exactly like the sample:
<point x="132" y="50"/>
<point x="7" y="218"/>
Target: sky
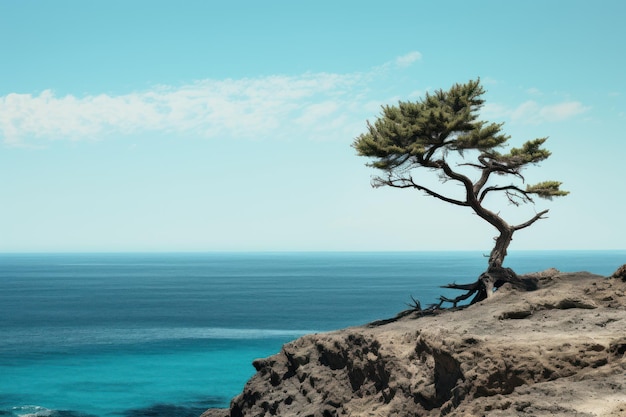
<point x="227" y="126"/>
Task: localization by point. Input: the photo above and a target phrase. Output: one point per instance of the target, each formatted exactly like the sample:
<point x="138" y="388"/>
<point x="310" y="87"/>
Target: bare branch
<point x="481" y="182"/>
<point x="489" y="166"/>
<point x="456" y="300"/>
<point x="516" y="191"/>
<point x="469" y="164"/>
<point x="416" y="306"/>
<point x="466" y="287"/>
<point x="469" y="186"/>
<point x="531" y="221"/>
<point x="409" y="183"/>
<point x="515" y="198"/>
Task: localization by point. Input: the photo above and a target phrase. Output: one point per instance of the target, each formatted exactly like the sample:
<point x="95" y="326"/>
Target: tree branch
<point x="531" y="221"/>
<point x="524" y="195"/>
<point x="434" y="148"/>
<point x="481" y="182"/>
<point x="471" y="200"/>
<point x="469" y="186"/>
<point x="409" y="183"/>
<point x="488" y="166"/>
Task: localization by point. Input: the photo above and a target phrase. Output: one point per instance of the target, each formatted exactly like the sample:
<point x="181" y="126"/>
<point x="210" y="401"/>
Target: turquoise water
<point x="173" y="334"/>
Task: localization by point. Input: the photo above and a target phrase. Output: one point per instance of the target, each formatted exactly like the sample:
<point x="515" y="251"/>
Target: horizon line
<point x="157" y="252"/>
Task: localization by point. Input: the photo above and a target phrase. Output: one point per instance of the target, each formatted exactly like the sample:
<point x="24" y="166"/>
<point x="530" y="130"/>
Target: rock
<point x="557" y="351"/>
<point x="620" y="273"/>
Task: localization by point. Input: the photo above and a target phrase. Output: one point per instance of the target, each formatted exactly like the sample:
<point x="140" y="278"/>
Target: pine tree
<point x="442" y="127"/>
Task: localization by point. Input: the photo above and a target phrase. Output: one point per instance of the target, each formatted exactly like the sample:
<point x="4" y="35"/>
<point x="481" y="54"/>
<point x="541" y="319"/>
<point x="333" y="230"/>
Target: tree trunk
<point x="499" y="251"/>
<point x="496" y="275"/>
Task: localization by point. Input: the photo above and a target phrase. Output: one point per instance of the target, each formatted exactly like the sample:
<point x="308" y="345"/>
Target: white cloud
<point x="533" y="91"/>
<point x="312" y="113"/>
<point x="408" y="59"/>
<point x="489" y="81"/>
<point x="562" y="111"/>
<point x="532" y="112"/>
<point x="210" y="108"/>
<point x="494" y="111"/>
<point x="313" y="105"/>
<point x="416" y="94"/>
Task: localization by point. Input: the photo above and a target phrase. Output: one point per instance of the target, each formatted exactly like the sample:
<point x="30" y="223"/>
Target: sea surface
<point x="173" y="334"/>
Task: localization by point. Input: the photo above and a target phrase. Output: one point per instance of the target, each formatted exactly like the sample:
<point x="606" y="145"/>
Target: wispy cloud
<point x="250" y="107"/>
<point x="245" y="107"/>
<point x="534" y="91"/>
<point x="408" y="59"/>
<point x="533" y="112"/>
<point x="562" y="111"/>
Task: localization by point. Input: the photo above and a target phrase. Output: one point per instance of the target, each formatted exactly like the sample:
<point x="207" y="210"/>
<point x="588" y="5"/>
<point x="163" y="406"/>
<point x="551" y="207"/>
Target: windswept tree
<point x="442" y="133"/>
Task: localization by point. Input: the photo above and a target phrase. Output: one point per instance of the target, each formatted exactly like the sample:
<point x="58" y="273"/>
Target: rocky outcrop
<point x="558" y="351"/>
<point x="620" y="273"/>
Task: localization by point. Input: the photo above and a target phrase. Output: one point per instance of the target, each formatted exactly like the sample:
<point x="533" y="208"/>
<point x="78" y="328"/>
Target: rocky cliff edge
<point x="557" y="351"/>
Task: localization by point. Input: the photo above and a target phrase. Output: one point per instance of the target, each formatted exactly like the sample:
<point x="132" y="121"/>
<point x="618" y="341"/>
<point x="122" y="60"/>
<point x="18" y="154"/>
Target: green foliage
<point x="422" y="134"/>
<point x="530" y="153"/>
<point x="547" y="189"/>
<point x="443" y="121"/>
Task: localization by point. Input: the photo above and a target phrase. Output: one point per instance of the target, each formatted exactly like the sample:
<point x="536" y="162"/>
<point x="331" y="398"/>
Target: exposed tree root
<point x="484" y="287"/>
<point x="488" y="282"/>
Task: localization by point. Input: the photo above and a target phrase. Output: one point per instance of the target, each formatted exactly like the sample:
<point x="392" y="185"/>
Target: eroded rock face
<point x="559" y="350"/>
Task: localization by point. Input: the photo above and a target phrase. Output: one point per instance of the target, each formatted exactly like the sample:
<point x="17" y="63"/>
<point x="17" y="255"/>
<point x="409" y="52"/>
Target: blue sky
<point x="210" y="126"/>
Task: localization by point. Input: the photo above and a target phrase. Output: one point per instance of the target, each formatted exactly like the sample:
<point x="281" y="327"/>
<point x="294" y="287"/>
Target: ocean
<point x="173" y="334"/>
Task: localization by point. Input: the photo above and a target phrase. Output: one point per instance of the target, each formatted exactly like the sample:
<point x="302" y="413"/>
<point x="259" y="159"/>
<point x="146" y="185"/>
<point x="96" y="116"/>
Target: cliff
<point x="556" y="351"/>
